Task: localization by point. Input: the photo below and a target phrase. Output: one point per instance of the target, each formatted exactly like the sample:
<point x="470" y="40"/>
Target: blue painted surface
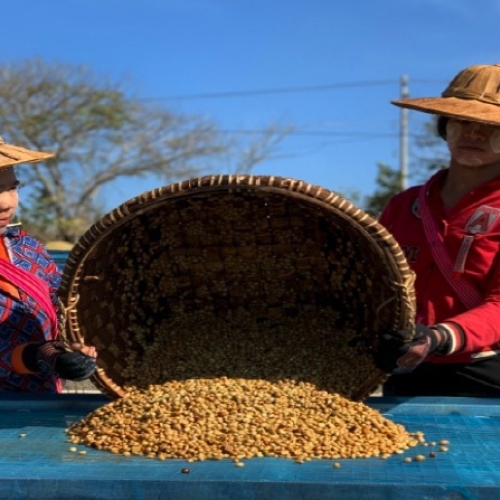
<point x="40" y="465"/>
<point x="60" y="256"/>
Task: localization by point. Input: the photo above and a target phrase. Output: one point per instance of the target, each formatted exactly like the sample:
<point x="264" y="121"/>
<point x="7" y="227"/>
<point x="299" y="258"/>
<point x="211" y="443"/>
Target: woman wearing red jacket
<point x="449" y="229"/>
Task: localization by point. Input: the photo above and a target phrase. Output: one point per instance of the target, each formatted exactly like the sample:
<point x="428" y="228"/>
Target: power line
<point x="324" y="133"/>
<point x="283" y="90"/>
<point x="430" y="82"/>
<point x="314" y="133"/>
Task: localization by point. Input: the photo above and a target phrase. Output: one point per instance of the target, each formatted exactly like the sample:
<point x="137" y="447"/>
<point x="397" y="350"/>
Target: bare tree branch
<point x="100" y="135"/>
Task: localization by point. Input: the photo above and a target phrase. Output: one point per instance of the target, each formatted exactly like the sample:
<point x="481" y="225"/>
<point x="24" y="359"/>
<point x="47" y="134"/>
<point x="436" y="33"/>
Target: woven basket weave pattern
<point x="274" y="248"/>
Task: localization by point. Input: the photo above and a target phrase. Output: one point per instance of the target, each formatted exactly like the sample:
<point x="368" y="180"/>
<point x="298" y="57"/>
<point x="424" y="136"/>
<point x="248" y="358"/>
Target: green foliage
<point x="428" y="154"/>
<point x="389" y="184"/>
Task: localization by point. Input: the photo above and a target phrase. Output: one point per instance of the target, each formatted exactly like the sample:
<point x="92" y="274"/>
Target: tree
<point x="429" y="153"/>
<point x="99" y="135"/>
<point x="389" y="182"/>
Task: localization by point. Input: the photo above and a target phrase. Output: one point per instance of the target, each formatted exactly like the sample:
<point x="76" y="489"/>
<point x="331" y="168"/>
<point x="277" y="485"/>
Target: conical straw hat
<point x="473" y="95"/>
<point x="13" y="155"/>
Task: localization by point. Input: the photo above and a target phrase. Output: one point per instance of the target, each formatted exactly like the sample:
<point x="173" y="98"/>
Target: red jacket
<point x="476" y="217"/>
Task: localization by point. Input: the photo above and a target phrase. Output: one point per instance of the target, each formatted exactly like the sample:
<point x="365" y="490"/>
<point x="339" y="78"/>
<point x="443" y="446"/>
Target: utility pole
<point x="403" y="136"/>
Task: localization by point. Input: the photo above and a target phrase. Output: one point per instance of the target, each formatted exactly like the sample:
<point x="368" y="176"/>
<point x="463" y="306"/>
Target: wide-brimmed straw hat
<point x="474" y="95"/>
<point x="13" y="155"/>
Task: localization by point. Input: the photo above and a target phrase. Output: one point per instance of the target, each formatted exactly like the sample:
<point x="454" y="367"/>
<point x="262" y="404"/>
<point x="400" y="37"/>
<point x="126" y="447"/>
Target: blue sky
<point x="328" y="67"/>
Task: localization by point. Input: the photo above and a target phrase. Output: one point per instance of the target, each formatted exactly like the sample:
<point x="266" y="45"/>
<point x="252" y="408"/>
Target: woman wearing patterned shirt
<point x="32" y="358"/>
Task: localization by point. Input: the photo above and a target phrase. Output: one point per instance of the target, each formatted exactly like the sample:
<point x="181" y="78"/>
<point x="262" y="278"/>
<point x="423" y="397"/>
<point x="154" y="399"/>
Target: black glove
<point x="397" y="354"/>
<point x="52" y="357"/>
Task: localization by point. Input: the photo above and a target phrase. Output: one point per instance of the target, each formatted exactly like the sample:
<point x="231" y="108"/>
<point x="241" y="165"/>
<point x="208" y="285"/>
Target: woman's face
<point x="473" y="144"/>
<point x="9" y="197"/>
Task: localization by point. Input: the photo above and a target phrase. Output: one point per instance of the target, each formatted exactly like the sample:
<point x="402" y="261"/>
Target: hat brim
<point x="453" y="107"/>
<point x="13" y="155"/>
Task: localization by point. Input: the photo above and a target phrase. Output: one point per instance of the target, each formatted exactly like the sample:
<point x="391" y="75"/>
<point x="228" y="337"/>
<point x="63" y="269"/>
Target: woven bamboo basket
<point x="176" y="265"/>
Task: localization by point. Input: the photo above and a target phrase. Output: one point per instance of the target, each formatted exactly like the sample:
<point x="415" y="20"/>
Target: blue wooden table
<point x="36" y="461"/>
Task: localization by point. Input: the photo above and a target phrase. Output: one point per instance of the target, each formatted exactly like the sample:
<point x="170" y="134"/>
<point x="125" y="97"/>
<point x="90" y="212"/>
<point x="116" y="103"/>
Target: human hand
<point x="74" y="363"/>
<point x="397" y="353"/>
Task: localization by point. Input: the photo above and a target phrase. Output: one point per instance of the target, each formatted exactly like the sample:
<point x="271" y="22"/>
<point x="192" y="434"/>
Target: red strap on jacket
<point x="6" y="285"/>
<point x="35" y="287"/>
<point x="467" y="293"/>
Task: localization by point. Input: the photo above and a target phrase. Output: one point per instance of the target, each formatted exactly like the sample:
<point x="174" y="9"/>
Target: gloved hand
<point x="397" y="354"/>
<point x="53" y="357"/>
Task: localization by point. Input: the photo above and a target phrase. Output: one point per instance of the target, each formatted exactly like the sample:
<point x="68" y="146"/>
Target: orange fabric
<point x="17" y="361"/>
<point x="5" y="285"/>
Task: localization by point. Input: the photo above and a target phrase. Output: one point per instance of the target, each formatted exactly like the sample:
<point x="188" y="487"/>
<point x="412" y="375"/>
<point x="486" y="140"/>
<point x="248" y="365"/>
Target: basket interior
<point x="239" y="281"/>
